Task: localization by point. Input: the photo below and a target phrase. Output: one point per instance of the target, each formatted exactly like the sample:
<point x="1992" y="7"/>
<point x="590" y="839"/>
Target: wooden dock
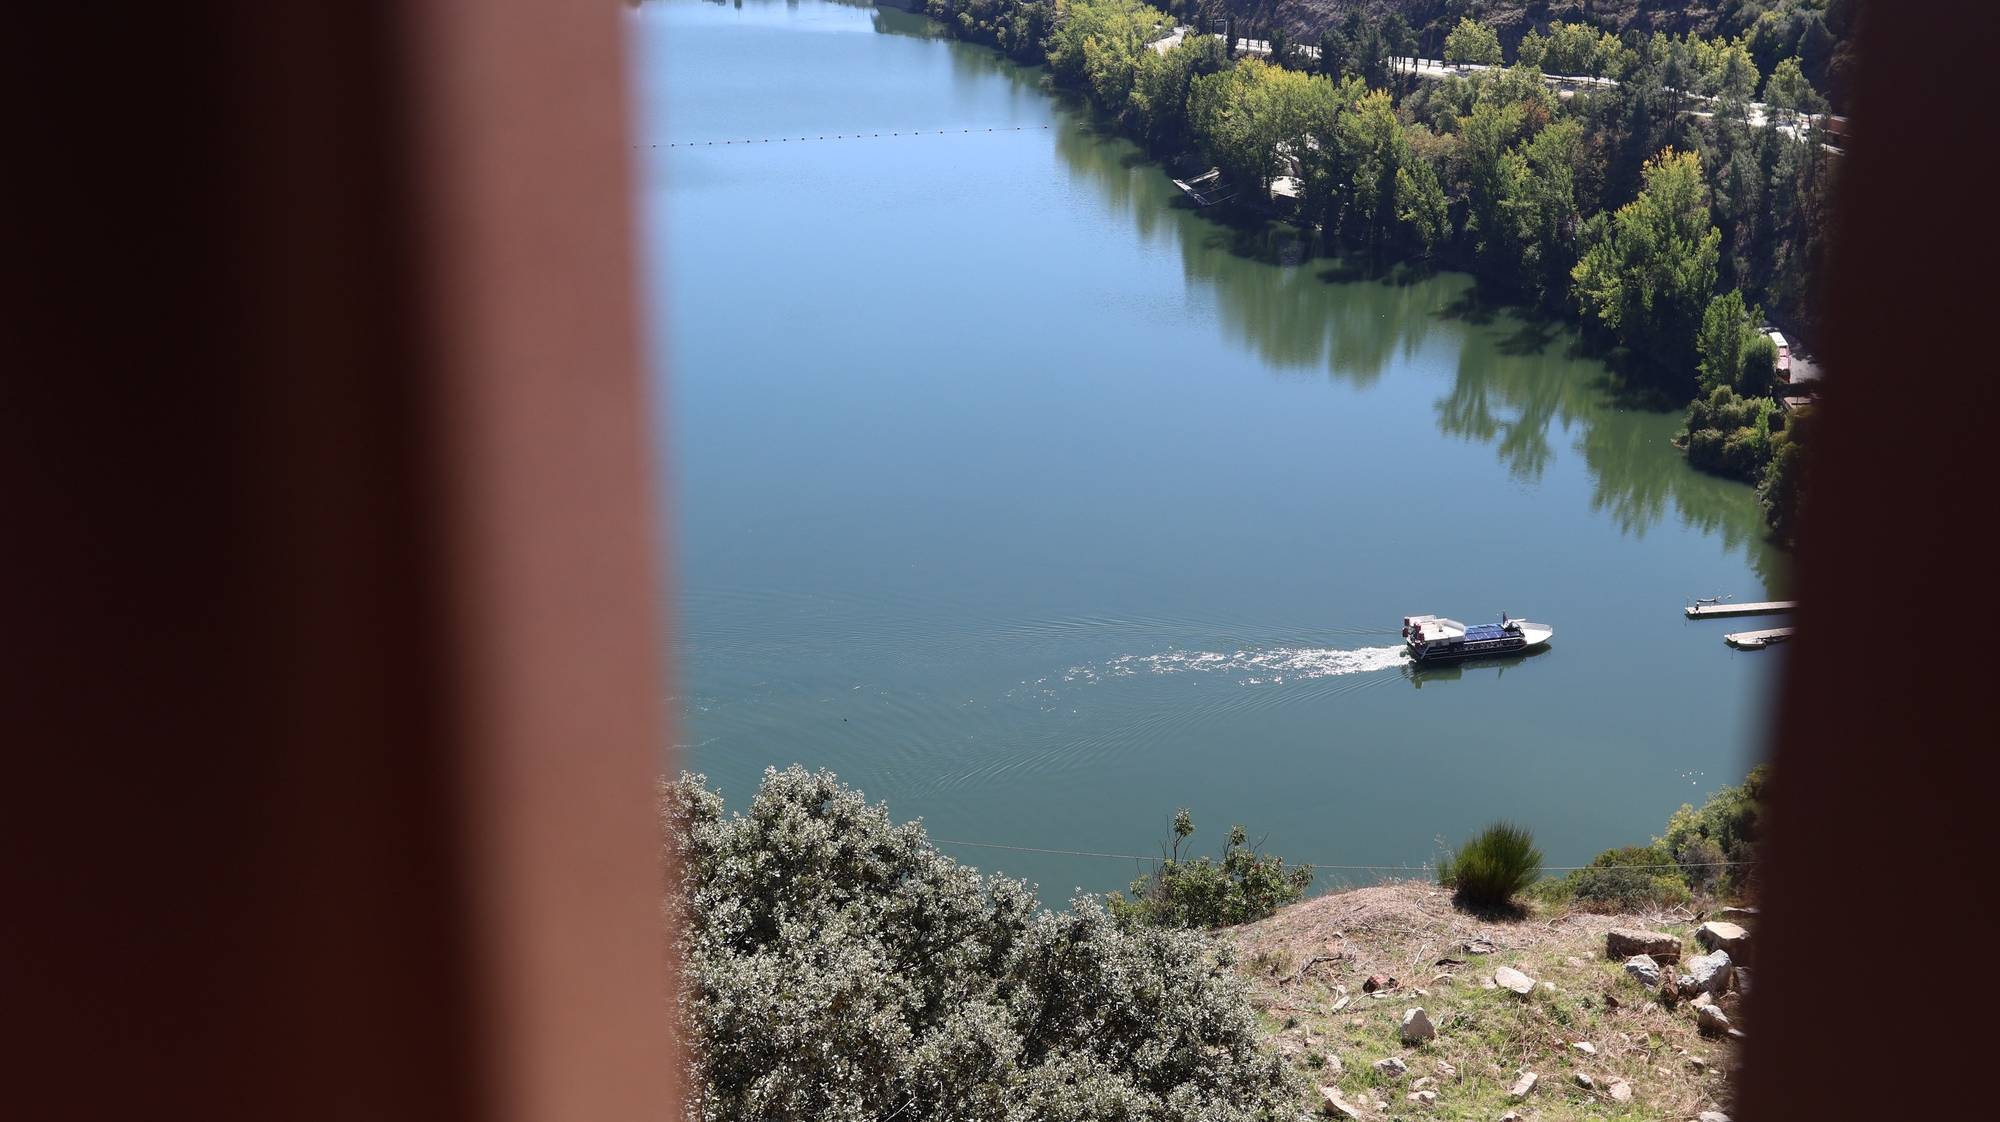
<point x="1757" y="640"/>
<point x="1763" y="608"/>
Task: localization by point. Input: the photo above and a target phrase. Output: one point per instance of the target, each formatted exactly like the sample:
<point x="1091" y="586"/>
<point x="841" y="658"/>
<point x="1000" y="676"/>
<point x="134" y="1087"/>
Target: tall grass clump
<point x="1489" y="869"/>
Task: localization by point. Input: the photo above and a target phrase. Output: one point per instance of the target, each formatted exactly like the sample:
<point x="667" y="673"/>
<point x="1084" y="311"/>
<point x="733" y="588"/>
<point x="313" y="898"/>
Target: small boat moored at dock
<point x="1706" y="609"/>
<point x="1757" y="640"/>
<point x="1434" y="639"/>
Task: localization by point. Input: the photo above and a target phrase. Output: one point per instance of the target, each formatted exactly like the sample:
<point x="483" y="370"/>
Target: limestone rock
<point x="1421" y="1083"/>
<point x="1711" y="1116"/>
<point x="1422" y="1098"/>
<point x="1393" y="1067"/>
<point x="1621" y="1091"/>
<point x="1642" y="967"/>
<point x="1478" y="946"/>
<point x="1511" y="1116"/>
<point x="1720" y="936"/>
<point x="1339" y="1004"/>
<point x="1417" y="1027"/>
<point x="1710" y="972"/>
<point x="1711" y="1020"/>
<point x="1332" y="1067"/>
<point x="1524" y="1086"/>
<point x="1339" y="1107"/>
<point x="1586" y="1047"/>
<point x="1584" y="1081"/>
<point x="1624" y="942"/>
<point x="1737" y="915"/>
<point x="1509" y="978"/>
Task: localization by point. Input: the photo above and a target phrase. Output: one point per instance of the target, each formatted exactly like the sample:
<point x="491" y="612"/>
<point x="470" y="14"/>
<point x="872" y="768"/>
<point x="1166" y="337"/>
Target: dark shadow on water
<point x="1421" y="676"/>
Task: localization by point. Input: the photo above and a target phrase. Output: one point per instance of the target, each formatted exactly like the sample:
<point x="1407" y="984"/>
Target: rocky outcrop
<point x="1642" y="967"/>
<point x="1718" y="936"/>
<point x="1709" y="973"/>
<point x="1712" y="1020"/>
<point x="1624" y="942"/>
<point x="1339" y="1107"/>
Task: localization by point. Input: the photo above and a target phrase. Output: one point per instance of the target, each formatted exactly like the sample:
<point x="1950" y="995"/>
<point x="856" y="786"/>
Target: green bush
<point x="1244" y="886"/>
<point x="1724" y="829"/>
<point x="1487" y="871"/>
<point x="1618" y="880"/>
<point x="836" y="966"/>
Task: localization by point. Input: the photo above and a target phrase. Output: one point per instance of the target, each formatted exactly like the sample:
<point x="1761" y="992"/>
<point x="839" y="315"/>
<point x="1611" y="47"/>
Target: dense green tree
<point x="1788" y="89"/>
<point x="1096" y="47"/>
<point x="1421" y="205"/>
<point x="1646" y="272"/>
<point x="1538" y="202"/>
<point x="836" y="966"/>
<point x="1474" y="42"/>
<point x="1375" y="148"/>
<point x="1731" y="348"/>
<point x="1256" y="119"/>
<point x="1781" y="489"/>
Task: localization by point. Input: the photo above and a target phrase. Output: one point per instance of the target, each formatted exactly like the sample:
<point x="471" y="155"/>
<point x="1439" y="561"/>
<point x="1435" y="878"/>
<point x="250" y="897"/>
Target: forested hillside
<point x="1816" y="31"/>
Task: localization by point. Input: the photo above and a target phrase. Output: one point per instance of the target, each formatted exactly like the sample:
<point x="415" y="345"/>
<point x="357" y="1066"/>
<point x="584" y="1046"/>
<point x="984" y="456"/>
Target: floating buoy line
<point x="841" y="136"/>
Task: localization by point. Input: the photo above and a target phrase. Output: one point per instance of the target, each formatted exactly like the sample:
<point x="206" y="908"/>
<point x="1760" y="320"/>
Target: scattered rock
<point x="1710" y="972"/>
<point x="1478" y="946"/>
<point x="1624" y="942"/>
<point x="1697" y="1063"/>
<point x="1737" y="915"/>
<point x="1332" y="1067"/>
<point x="1378" y="982"/>
<point x="1621" y="1091"/>
<point x="1642" y="967"/>
<point x="1584" y="1081"/>
<point x="1711" y="1020"/>
<point x="1711" y="1116"/>
<point x="1586" y="1047"/>
<point x="1702" y="999"/>
<point x="1524" y="1086"/>
<point x="1393" y="1067"/>
<point x="1445" y="1070"/>
<point x="1719" y="936"/>
<point x="1421" y="1082"/>
<point x="1417" y="1027"/>
<point x="1509" y="978"/>
<point x="1511" y="1116"/>
<point x="1736" y="1034"/>
<point x="1423" y="1098"/>
<point x="1339" y="1004"/>
<point x="1339" y="1107"/>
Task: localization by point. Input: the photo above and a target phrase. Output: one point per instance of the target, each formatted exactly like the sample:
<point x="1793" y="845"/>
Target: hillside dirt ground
<point x="1306" y="967"/>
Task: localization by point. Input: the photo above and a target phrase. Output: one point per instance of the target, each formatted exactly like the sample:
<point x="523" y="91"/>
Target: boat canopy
<point x="1479" y="631"/>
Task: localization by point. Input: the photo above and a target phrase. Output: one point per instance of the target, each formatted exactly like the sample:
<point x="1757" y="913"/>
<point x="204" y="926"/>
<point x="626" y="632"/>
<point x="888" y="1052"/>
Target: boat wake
<point x="1253" y="667"/>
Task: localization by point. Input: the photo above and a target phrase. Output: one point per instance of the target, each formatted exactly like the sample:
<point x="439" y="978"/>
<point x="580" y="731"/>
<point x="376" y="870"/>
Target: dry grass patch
<point x="1308" y="964"/>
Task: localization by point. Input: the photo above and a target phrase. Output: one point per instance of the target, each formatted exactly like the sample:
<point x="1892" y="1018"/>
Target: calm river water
<point x="1037" y="505"/>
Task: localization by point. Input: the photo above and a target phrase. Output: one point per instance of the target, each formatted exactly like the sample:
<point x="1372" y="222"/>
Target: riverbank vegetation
<point x="835" y="965"/>
<point x="1634" y="203"/>
<point x="1184" y="891"/>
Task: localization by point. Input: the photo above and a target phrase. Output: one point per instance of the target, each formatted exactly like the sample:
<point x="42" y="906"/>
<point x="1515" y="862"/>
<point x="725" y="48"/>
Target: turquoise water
<point x="1036" y="504"/>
